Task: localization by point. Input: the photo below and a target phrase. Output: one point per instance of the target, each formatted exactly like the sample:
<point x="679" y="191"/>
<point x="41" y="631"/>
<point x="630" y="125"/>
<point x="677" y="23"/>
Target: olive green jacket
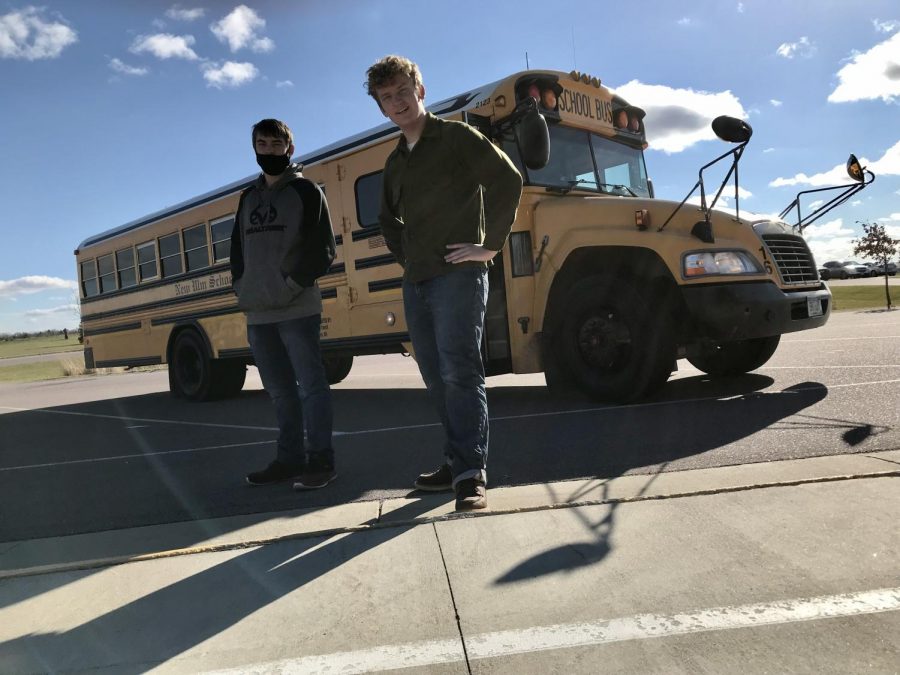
<point x="453" y="187"/>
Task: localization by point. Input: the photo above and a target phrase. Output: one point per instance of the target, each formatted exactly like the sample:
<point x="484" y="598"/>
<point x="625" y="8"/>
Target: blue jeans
<point x="445" y="316"/>
<point x="290" y="365"/>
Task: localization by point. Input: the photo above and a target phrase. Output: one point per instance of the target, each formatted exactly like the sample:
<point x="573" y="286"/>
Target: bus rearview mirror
<point x="534" y="139"/>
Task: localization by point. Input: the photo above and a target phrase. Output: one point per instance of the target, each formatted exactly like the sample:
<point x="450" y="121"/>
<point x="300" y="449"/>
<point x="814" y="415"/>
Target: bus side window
<point x="368" y="199"/>
<point x="147" y="260"/>
<point x="107" y="270"/>
<point x="89" y="278"/>
<point x="125" y="263"/>
<point x="221" y="238"/>
<point x="170" y="255"/>
<point x="196" y="250"/>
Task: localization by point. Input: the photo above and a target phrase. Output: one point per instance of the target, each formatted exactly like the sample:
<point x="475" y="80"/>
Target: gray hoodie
<point x="281" y="243"/>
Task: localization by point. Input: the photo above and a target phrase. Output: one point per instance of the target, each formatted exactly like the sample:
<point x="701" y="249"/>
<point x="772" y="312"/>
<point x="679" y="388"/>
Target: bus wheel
<point x="337" y="367"/>
<point x="733" y="358"/>
<point x="610" y="344"/>
<point x="190" y="368"/>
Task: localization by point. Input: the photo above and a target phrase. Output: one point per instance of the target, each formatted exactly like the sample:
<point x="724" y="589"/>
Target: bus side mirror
<point x="534" y="139"/>
<point x="731" y="129"/>
<point x="854" y="170"/>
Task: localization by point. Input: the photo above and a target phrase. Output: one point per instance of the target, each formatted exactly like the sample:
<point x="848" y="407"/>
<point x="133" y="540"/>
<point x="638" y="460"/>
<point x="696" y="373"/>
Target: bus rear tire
<point x="194" y="376"/>
<point x="337" y="367"/>
<point x="609" y="344"/>
<point x="732" y="358"/>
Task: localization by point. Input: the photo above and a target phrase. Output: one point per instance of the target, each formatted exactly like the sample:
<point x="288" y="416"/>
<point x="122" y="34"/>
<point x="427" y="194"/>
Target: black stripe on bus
<point x="235" y="353"/>
<point x="156" y="305"/>
<point x="147" y="285"/>
<point x="194" y="315"/>
<point x="338" y="239"/>
<point x="366" y="233"/>
<point x="384" y="339"/>
<point x="113" y="329"/>
<point x="385" y="284"/>
<point x="337" y="268"/>
<point x="329" y="293"/>
<point x="375" y="261"/>
<point x="142" y="361"/>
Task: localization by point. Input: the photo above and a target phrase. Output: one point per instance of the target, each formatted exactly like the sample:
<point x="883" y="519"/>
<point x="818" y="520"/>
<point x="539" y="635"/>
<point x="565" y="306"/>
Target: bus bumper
<point x="741" y="311"/>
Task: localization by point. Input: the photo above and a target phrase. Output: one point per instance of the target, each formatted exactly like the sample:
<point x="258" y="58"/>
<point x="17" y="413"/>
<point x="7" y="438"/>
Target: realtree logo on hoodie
<point x="261" y="216"/>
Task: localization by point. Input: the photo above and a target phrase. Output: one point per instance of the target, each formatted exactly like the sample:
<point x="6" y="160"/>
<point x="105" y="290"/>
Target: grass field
<point x="863" y="297"/>
<point x="39" y="345"/>
<point x="32" y="372"/>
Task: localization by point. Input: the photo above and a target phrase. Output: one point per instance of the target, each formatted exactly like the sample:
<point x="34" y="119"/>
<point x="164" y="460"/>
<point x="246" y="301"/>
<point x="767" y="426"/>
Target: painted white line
<point x="136" y="456"/>
<point x="138" y="419"/>
<point x="565" y="636"/>
<point x="872" y="337"/>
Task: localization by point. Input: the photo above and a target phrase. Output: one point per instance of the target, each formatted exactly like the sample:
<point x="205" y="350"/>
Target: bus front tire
<point x="732" y="358"/>
<point x="609" y="344"/>
<point x="336" y="367"/>
<point x="194" y="376"/>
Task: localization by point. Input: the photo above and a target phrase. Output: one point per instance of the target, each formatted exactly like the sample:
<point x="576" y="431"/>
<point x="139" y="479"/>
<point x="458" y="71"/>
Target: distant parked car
<point x="856" y="269"/>
<point x="878" y="269"/>
<point x="833" y="269"/>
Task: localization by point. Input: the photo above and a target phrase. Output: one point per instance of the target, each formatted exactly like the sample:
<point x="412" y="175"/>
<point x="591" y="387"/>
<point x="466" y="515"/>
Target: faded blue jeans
<point x="445" y="316"/>
<point x="290" y="365"/>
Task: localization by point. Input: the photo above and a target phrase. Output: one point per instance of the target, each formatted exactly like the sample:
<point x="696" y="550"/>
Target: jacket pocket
<point x="269" y="291"/>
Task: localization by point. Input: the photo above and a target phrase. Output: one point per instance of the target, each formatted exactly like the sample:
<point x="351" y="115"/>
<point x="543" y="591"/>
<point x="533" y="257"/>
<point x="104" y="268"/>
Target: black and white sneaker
<point x="276" y="472"/>
<point x="318" y="473"/>
<point x="440" y="480"/>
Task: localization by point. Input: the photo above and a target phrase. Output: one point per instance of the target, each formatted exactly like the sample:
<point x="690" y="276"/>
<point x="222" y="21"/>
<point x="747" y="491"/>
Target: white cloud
<point x="26" y="34"/>
<point x="684" y="21"/>
<point x="893" y="216"/>
<point x="768" y="150"/>
<point x="740" y="8"/>
<point x="125" y="69"/>
<point x="775" y="102"/>
<point x="230" y="74"/>
<point x="61" y="309"/>
<point x="885" y="26"/>
<point x="178" y="14"/>
<point x="888" y="165"/>
<point x="284" y="83"/>
<point x="874" y="74"/>
<point x="679" y="118"/>
<point x="32" y="284"/>
<point x="812" y="206"/>
<point x="803" y="48"/>
<point x="166" y="46"/>
<point x="831" y="240"/>
<point x="240" y="29"/>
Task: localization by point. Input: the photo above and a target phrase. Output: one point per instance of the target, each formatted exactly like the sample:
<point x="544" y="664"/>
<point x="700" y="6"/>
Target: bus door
<point x="375" y="277"/>
<point x="334" y="286"/>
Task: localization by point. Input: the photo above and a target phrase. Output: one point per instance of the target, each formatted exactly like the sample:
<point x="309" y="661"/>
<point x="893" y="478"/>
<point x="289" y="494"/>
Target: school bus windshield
<point x="581" y="160"/>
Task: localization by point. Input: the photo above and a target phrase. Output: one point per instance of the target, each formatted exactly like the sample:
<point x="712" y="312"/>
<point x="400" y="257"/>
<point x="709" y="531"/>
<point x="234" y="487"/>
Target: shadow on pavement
<point x="184" y="462"/>
<point x="718" y="422"/>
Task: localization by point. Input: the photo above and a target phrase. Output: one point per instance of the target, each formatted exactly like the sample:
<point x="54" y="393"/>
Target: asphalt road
<point x="92" y="454"/>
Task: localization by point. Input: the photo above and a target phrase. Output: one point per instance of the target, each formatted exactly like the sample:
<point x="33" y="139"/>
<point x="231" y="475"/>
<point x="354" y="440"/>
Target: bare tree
<point x="878" y="246"/>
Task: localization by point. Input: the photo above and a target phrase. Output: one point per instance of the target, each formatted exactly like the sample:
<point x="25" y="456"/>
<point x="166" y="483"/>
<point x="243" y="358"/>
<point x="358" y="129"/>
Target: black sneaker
<point x="317" y="474"/>
<point x="471" y="494"/>
<point x="436" y="481"/>
<point x="276" y="472"/>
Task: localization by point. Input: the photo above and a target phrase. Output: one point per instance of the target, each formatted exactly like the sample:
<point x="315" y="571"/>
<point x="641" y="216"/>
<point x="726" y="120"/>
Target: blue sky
<point x="113" y="110"/>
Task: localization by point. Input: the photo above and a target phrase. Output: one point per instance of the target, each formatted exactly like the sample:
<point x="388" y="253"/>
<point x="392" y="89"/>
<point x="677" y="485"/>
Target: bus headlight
<point x="719" y="262"/>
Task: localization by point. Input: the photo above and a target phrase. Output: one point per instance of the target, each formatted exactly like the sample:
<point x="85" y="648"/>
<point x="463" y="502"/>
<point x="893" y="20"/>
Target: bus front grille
<point x="792" y="257"/>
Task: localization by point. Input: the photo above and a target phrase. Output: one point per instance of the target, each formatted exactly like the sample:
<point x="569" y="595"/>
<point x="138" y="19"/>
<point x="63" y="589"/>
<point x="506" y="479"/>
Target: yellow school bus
<point x="601" y="285"/>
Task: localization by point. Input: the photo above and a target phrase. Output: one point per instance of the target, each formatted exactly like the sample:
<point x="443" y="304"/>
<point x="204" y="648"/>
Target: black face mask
<point x="273" y="165"/>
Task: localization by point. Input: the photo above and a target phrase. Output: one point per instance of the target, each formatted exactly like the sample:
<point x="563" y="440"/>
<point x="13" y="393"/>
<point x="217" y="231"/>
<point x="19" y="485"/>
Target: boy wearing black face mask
<point x="281" y="243"/>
